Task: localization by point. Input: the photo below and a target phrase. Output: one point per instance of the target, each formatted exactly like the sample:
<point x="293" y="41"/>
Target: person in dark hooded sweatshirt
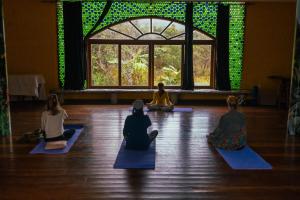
<point x="135" y="128"/>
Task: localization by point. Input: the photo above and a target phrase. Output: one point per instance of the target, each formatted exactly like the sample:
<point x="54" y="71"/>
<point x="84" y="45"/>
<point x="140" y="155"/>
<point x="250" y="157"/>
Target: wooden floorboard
<point x="186" y="166"/>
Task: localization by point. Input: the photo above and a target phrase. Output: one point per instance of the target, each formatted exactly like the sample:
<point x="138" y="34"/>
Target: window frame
<point x="151" y="44"/>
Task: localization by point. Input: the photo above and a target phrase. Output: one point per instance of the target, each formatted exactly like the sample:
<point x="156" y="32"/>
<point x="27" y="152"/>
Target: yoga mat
<point x="174" y="110"/>
<point x="245" y="158"/>
<point x="40" y="148"/>
<point x="134" y="159"/>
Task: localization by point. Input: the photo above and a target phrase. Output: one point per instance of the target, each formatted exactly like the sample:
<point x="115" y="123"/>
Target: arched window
<point x="143" y="52"/>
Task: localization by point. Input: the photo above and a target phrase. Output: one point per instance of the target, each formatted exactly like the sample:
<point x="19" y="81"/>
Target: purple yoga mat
<point x="134" y="159"/>
<point x="40" y="148"/>
<point x="177" y="109"/>
<point x="244" y="159"/>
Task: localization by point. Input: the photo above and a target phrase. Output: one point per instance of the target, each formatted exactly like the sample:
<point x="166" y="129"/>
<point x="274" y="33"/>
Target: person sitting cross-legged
<point x="52" y="121"/>
<point x="161" y="100"/>
<point x="135" y="128"/>
<point x="231" y="131"/>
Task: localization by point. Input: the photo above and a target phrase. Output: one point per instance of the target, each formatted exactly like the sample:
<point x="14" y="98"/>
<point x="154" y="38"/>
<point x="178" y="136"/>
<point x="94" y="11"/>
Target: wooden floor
<point x="186" y="167"/>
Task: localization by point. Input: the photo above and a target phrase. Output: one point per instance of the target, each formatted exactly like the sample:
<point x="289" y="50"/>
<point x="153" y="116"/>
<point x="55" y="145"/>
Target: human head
<point x="53" y="103"/>
<point x="138" y="106"/>
<point x="232" y="102"/>
<point x="160" y="86"/>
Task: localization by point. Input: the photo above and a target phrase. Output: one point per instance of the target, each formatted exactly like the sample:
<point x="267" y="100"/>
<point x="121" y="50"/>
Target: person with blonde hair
<point x="161" y="100"/>
<point x="52" y="121"/>
<point x="231" y="131"/>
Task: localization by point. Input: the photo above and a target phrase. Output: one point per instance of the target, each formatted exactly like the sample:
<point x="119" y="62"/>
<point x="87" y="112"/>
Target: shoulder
<point x="63" y="111"/>
<point x="147" y="119"/>
<point x="45" y="113"/>
<point x="242" y="115"/>
<point x="236" y="113"/>
<point x="129" y="117"/>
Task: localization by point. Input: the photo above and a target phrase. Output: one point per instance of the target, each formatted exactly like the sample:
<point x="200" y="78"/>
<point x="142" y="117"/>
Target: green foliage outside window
<point x="167" y="64"/>
<point x="134" y="65"/>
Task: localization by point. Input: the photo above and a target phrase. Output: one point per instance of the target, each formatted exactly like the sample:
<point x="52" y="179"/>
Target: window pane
<point x="104" y="65"/>
<point x="151" y="37"/>
<point x="134" y="60"/>
<point x="110" y="35"/>
<point x="197" y="35"/>
<point x="173" y="30"/>
<point x="127" y="29"/>
<point x="142" y="24"/>
<point x="167" y="64"/>
<point x="180" y="37"/>
<point x="202" y="64"/>
<point x="158" y="25"/>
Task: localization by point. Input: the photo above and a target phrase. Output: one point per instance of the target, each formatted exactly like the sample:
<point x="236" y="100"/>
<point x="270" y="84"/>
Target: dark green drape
<point x="75" y="44"/>
<point x="75" y="71"/>
<point x="222" y="38"/>
<point x="187" y="71"/>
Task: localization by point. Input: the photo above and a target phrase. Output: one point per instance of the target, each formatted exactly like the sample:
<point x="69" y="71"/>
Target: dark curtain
<point x="75" y="71"/>
<point x="4" y="104"/>
<point x="222" y="38"/>
<point x="187" y="73"/>
<point x="85" y="41"/>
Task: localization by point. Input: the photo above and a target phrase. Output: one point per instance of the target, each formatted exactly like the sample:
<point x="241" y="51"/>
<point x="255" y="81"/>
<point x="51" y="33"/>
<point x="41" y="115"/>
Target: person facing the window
<point x="161" y="100"/>
<point x="231" y="131"/>
<point x="135" y="128"/>
<point x="53" y="120"/>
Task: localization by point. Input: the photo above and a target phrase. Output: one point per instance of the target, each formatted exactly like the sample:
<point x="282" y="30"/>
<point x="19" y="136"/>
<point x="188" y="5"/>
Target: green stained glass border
<point x="121" y="11"/>
<point x="91" y="12"/>
<point x="60" y="44"/>
<point x="236" y="44"/>
<point x="205" y="18"/>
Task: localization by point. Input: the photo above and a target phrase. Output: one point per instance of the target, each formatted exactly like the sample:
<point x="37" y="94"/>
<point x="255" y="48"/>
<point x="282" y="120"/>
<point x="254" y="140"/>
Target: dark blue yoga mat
<point x="174" y="110"/>
<point x="244" y="158"/>
<point x="40" y="148"/>
<point x="132" y="159"/>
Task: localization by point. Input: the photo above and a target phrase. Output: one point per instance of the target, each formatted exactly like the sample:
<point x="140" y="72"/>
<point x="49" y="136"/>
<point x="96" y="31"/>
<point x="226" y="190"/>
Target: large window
<point x="143" y="52"/>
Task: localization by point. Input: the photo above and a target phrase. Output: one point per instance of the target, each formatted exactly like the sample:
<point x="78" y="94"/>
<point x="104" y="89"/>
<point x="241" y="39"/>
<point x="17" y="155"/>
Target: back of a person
<point x="233" y="135"/>
<point x="233" y="122"/>
<point x="231" y="130"/>
<point x="137" y="129"/>
<point x="54" y="123"/>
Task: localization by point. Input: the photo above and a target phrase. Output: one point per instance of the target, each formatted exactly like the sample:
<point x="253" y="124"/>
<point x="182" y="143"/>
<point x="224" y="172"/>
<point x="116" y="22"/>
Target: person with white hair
<point x="135" y="128"/>
<point x="231" y="131"/>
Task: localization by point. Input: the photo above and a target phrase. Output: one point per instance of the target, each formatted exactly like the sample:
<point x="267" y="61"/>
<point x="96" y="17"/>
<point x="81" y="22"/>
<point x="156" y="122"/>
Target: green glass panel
<point x="91" y="12"/>
<point x="236" y="44"/>
<point x="205" y="17"/>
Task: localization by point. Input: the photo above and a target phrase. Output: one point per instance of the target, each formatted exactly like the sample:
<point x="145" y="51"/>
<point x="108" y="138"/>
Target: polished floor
<point x="186" y="166"/>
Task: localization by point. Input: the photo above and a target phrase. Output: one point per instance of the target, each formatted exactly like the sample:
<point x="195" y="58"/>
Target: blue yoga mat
<point x="132" y="159"/>
<point x="40" y="148"/>
<point x="174" y="110"/>
<point x="245" y="158"/>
